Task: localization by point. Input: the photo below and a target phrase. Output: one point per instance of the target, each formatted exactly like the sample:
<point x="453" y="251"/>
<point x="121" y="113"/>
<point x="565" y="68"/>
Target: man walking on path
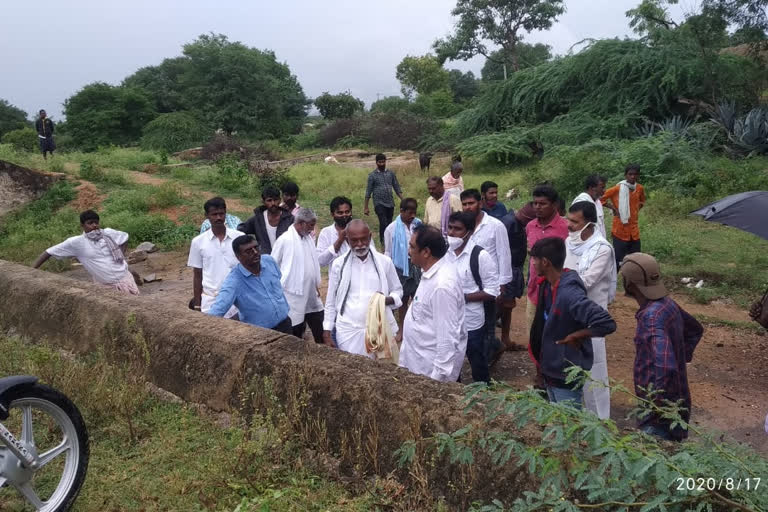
<point x="479" y="278"/>
<point x="564" y="323"/>
<point x="665" y="339"/>
<point x="626" y="200"/>
<point x="101" y="252"/>
<point x="453" y="181"/>
<point x="296" y="256"/>
<point x="269" y="221"/>
<point x="332" y="240"/>
<point x="590" y="255"/>
<point x="381" y="183"/>
<point x="491" y="204"/>
<point x="594" y="188"/>
<point x="45" y="128"/>
<point x="254" y="288"/>
<point x="396" y="239"/>
<point x="353" y="281"/>
<point x="548" y="223"/>
<point x="211" y="257"/>
<point x="440" y="205"/>
<point x="434" y="332"/>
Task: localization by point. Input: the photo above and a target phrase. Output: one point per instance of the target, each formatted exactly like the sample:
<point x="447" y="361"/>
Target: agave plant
<point x="748" y="134"/>
<point x="675" y="125"/>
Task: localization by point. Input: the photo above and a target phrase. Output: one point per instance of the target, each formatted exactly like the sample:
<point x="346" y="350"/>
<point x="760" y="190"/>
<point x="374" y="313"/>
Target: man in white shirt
<point x="100" y="251"/>
<point x="434" y="332"/>
<point x="211" y="257"/>
<point x="590" y="254"/>
<point x="396" y="238"/>
<point x="440" y="204"/>
<point x="594" y="188"/>
<point x="296" y="256"/>
<point x="479" y="278"/>
<point x="352" y="281"/>
<point x="489" y="233"/>
<point x="332" y="240"/>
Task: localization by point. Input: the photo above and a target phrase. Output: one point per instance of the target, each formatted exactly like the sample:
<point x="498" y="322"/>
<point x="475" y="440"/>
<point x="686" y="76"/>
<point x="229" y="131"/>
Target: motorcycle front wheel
<point x="50" y="426"/>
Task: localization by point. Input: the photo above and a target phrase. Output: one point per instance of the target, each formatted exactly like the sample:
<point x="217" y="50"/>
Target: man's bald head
<point x="359" y="237"/>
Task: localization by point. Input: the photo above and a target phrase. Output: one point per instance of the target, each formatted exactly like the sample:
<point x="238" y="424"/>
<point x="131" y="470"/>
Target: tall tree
<point x="745" y="14"/>
<point x="338" y="106"/>
<point x="421" y="75"/>
<point x="163" y="83"/>
<point x="11" y="117"/>
<point x="528" y="55"/>
<point x="464" y="86"/>
<point x="500" y="22"/>
<point x="101" y="114"/>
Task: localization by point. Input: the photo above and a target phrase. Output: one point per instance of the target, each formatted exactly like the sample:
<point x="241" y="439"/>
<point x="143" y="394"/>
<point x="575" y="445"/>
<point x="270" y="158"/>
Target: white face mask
<point x="362" y="252"/>
<point x="455" y="242"/>
<point x="575" y="236"/>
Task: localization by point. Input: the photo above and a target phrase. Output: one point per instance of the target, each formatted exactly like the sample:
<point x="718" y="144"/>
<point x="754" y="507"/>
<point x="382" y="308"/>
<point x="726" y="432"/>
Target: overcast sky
<point x="50" y="49"/>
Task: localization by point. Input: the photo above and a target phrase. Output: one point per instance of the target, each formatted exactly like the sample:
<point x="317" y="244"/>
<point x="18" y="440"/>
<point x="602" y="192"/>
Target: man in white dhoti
<point x="590" y="254"/>
<point x="296" y="256"/>
<point x="434" y="332"/>
<point x="361" y="285"/>
<point x="594" y="188"/>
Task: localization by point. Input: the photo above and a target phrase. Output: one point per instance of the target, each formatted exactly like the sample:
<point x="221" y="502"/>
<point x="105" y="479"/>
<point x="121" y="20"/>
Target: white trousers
<point x="597" y="397"/>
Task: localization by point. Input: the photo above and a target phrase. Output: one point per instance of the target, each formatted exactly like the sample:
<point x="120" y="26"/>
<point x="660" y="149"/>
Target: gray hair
<point x="358" y="223"/>
<point x="305" y="215"/>
<point x="457" y="166"/>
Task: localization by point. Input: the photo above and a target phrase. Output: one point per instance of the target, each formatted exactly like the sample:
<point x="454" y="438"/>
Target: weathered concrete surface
<point x="355" y="408"/>
<point x="19" y="185"/>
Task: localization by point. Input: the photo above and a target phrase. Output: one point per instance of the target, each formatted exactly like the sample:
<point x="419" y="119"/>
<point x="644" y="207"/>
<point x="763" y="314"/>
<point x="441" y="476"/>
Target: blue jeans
<point x="476" y="353"/>
<point x="565" y="396"/>
<point x="653" y="430"/>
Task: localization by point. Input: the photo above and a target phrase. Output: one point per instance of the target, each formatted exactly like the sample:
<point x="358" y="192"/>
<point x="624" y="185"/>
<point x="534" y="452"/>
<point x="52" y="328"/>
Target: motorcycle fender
<point x="9" y="386"/>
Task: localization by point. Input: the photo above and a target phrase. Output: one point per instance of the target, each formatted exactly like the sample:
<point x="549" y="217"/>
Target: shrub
<point x="174" y="132"/>
<point x="232" y="172"/>
<point x="397" y="131"/>
<point x="331" y="133"/>
<point x="166" y="195"/>
<point x="390" y="105"/>
<point x="308" y="140"/>
<point x="23" y="139"/>
<point x="90" y="170"/>
<point x="263" y="175"/>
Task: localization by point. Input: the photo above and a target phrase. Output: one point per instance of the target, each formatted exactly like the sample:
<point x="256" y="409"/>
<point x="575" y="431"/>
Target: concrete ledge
<point x="350" y="406"/>
<point x="19" y="185"/>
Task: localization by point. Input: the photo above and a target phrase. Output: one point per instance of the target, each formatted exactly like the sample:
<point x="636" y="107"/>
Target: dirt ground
<point x="728" y="375"/>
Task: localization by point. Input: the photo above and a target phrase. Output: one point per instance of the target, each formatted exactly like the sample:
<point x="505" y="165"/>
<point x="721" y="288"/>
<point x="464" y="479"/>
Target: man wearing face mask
<point x="591" y="256"/>
<point x="354" y="279"/>
<point x="479" y="278"/>
<point x="332" y="241"/>
<point x="295" y="254"/>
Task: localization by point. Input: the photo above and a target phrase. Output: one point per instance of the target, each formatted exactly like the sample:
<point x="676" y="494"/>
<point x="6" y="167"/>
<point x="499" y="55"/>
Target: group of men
<point x="449" y="278"/>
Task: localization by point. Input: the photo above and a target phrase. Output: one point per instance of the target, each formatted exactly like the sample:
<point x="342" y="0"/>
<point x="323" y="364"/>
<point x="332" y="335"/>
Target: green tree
<point x="500" y="22"/>
<point x="390" y="104"/>
<point x="744" y="14"/>
<point x="23" y="139"/>
<point x="163" y="83"/>
<point x="464" y="86"/>
<point x="438" y="104"/>
<point x="101" y="114"/>
<point x="421" y="75"/>
<point x="11" y="117"/>
<point x="528" y="55"/>
<point x="174" y="131"/>
<point x="338" y="106"/>
<point x="238" y="88"/>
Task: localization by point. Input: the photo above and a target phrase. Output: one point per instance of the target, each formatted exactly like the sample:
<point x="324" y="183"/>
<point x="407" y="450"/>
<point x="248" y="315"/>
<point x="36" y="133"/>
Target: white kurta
<point x="364" y="283"/>
<point x="474" y="312"/>
<point x="302" y="252"/>
<point x="599" y="283"/>
<point x="492" y="236"/>
<point x="95" y="257"/>
<point x="598" y="206"/>
<point x="434" y="333"/>
<point x="325" y="240"/>
<point x="215" y="258"/>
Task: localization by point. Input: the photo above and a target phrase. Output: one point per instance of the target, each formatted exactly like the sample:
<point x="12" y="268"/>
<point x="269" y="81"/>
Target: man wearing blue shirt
<point x="254" y="287"/>
<point x="491" y="204"/>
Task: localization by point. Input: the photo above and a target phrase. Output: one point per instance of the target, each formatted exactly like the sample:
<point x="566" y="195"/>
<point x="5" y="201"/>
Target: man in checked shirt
<point x="381" y="182"/>
<point x="665" y="339"/>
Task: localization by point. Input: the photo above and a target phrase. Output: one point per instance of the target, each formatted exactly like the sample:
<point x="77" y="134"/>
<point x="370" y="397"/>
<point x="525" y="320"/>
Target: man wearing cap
<point x="665" y="339"/>
<point x="381" y="183"/>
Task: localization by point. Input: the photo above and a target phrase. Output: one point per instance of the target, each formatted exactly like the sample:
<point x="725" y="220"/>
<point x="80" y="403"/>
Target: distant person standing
<point x="594" y="188"/>
<point x="440" y="205"/>
<point x="453" y="181"/>
<point x="381" y="183"/>
<point x="665" y="339"/>
<point x="100" y="251"/>
<point x="627" y="199"/>
<point x="491" y="204"/>
<point x="45" y="129"/>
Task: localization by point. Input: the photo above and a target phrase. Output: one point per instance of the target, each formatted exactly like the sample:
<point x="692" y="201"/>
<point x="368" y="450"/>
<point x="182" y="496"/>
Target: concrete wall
<point x="19" y="185"/>
<point x="350" y="406"/>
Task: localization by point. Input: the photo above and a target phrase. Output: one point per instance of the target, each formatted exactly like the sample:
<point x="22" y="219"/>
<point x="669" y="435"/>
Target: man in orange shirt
<point x="626" y="200"/>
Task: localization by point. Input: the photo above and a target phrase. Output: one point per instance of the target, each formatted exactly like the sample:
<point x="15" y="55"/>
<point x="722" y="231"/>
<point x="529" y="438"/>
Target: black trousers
<point x="384" y="213"/>
<point x="284" y="326"/>
<point x="315" y="322"/>
<point x="623" y="248"/>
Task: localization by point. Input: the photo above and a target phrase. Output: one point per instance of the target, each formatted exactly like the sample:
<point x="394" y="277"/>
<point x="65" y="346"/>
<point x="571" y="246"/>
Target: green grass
<point x="169" y="457"/>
